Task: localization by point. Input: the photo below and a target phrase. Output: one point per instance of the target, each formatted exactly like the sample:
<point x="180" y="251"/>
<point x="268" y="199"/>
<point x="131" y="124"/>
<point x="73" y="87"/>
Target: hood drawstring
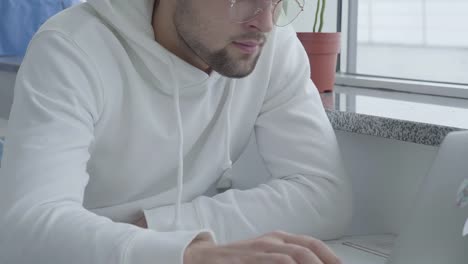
<point x="225" y="182"/>
<point x="180" y="167"/>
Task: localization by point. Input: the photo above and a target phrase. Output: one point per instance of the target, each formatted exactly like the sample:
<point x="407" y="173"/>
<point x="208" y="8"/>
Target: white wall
<point x="385" y="174"/>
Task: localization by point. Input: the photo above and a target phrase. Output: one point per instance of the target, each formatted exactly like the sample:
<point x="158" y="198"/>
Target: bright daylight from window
<point x="413" y="39"/>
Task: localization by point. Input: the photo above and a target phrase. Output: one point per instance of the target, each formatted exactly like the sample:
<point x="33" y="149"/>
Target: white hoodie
<point x="106" y="123"/>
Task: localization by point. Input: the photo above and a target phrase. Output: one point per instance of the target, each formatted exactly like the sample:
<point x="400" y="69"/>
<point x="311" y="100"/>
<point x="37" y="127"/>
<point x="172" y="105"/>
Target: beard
<point x="226" y="65"/>
<point x="190" y="27"/>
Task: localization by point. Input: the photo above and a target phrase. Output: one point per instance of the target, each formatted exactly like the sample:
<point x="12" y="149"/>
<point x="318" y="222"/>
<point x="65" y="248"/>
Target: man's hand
<point x="274" y="248"/>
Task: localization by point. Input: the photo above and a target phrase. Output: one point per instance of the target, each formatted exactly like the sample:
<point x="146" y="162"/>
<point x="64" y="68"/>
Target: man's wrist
<point x="198" y="248"/>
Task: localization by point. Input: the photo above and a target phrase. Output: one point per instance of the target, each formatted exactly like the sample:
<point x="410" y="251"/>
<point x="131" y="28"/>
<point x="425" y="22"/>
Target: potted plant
<point x="322" y="50"/>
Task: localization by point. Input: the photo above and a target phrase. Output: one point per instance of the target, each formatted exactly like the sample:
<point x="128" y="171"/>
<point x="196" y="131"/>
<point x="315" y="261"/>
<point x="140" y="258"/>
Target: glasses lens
<point x="242" y="11"/>
<point x="286" y="11"/>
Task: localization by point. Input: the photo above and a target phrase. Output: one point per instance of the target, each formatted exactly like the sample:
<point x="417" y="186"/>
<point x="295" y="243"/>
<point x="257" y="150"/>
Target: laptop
<point x="433" y="233"/>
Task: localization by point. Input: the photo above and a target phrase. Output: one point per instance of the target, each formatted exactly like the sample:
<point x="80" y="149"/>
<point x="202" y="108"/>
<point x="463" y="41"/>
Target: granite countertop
<point x="421" y="119"/>
<point x="10" y="63"/>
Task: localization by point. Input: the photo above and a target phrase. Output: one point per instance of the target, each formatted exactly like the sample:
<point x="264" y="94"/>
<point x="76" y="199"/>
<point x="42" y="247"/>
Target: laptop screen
<point x="433" y="234"/>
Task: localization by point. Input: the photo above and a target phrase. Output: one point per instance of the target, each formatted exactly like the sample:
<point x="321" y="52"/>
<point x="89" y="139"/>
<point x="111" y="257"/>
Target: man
<point x="130" y="111"/>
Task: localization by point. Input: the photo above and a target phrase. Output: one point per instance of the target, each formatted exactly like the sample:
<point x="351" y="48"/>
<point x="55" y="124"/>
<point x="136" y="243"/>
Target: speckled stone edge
<point x="409" y="131"/>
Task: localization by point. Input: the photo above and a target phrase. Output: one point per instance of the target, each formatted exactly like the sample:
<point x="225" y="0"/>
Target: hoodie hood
<point x="132" y="21"/>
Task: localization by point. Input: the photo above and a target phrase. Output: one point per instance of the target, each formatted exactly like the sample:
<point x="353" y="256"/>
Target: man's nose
<point x="263" y="22"/>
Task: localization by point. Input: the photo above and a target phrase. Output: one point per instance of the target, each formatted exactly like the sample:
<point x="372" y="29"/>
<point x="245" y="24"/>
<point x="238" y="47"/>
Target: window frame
<point x="347" y="21"/>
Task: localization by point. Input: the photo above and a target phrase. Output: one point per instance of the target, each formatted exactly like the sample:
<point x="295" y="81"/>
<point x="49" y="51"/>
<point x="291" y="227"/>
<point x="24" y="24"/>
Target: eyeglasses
<point x="284" y="12"/>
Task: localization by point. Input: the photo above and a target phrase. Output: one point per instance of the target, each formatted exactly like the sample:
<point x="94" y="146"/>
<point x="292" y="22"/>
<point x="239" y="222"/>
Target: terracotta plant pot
<point x="322" y="49"/>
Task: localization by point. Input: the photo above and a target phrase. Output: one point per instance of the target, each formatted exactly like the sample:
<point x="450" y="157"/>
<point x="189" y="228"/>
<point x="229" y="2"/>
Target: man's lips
<point x="248" y="46"/>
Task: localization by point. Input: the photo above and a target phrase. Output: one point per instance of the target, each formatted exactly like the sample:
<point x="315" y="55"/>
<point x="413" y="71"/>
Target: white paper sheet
<point x="373" y="249"/>
<point x="462" y="194"/>
<point x="465" y="230"/>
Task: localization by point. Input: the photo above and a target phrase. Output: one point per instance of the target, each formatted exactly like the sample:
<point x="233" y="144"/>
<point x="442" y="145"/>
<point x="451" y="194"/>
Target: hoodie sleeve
<point x="309" y="192"/>
<point x="43" y="176"/>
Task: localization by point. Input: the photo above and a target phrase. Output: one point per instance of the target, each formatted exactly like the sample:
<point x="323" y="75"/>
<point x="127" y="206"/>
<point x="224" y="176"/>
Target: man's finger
<point x="323" y="252"/>
<point x="269" y="258"/>
<point x="300" y="254"/>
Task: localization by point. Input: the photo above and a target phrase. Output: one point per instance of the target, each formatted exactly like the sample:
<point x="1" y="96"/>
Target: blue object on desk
<point x="20" y="19"/>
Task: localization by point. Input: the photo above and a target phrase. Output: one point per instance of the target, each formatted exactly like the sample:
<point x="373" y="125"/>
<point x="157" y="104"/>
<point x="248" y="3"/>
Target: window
<point x="420" y="45"/>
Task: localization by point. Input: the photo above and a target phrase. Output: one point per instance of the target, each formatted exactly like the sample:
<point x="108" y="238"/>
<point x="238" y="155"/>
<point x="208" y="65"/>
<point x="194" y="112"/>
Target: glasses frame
<point x="273" y="7"/>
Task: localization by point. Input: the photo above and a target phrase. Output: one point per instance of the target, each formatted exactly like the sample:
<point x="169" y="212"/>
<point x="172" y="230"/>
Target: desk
<point x="10" y="63"/>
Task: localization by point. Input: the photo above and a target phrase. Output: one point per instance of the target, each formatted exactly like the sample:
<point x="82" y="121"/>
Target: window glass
<point x="413" y="39"/>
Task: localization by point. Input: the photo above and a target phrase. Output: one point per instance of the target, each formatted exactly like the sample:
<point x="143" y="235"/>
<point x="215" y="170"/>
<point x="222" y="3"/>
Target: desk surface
<point x="10" y="63"/>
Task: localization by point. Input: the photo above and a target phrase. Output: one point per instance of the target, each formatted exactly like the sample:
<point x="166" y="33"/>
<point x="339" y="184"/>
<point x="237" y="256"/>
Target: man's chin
<point x="232" y="64"/>
<point x="239" y="70"/>
<point x="244" y="65"/>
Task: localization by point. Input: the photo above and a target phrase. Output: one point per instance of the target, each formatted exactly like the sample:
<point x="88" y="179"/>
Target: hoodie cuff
<point x="162" y="218"/>
<point x="151" y="247"/>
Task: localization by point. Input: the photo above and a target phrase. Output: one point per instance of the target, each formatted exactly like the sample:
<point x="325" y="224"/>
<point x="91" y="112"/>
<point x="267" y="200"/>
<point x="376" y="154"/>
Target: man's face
<point x="232" y="49"/>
